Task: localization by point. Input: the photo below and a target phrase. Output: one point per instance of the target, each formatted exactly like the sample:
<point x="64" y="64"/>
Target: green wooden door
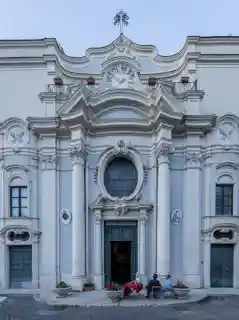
<point x="222" y="265"/>
<point x="120" y="231"/>
<point x="20" y="264"/>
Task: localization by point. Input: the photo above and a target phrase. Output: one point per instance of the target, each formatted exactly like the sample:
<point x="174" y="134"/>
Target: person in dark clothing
<point x="153" y="282"/>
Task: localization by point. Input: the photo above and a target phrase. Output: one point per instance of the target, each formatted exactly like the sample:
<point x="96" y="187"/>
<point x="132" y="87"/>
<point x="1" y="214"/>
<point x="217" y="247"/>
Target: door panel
<point x="20" y="265"/>
<point x="222" y="265"/>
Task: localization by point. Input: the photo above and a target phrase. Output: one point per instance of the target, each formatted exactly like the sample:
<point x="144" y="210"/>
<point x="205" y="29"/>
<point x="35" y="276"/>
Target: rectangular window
<point x="18" y="201"/>
<point x="224" y="199"/>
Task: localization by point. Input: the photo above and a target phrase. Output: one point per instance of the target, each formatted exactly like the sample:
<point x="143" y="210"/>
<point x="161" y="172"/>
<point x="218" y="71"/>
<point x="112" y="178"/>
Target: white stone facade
<point x="174" y="118"/>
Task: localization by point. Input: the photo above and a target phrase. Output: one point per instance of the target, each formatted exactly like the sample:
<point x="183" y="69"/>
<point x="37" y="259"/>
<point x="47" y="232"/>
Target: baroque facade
<point x="119" y="162"/>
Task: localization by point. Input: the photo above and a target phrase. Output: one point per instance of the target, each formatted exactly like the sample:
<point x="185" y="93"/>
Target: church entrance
<point x="120" y="251"/>
<point x="120" y="261"/>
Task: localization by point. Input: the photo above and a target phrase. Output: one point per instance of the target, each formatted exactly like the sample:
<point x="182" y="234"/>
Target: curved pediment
<point x="126" y="96"/>
<point x="122" y="113"/>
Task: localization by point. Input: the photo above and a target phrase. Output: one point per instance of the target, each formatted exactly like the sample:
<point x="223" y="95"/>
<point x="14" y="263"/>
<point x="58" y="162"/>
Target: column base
<point x="193" y="281"/>
<point x="77" y="283"/>
<point x="99" y="282"/>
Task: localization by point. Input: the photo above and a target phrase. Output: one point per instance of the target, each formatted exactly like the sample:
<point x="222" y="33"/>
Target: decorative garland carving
<point x="96" y="174"/>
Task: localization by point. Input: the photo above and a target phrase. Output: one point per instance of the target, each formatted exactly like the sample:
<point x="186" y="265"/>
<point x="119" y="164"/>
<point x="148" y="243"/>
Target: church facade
<point x="118" y="163"/>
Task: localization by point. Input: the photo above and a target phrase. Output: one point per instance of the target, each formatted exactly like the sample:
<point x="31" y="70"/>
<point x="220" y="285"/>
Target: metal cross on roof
<point x="121" y="19"/>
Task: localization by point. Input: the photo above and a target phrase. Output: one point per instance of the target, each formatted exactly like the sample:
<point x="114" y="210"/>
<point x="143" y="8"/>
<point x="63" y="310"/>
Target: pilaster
<point x="163" y="211"/>
<point x="98" y="263"/>
<point x="142" y="248"/>
<point x="206" y="261"/>
<point x="48" y="215"/>
<point x="154" y="195"/>
<point x="77" y="153"/>
<point x="208" y="185"/>
<point x="192" y="218"/>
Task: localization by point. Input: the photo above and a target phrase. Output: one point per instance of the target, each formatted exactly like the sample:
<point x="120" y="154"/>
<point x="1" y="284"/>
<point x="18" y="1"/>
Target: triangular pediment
<point x="76" y="101"/>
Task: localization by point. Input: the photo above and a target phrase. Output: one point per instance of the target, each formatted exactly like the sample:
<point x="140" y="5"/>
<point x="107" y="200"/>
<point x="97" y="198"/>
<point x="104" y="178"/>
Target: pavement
<point x="25" y="307"/>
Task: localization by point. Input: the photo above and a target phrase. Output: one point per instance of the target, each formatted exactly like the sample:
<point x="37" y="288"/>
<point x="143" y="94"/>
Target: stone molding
<point x="119" y="207"/>
<point x="34" y="234"/>
<point x="120" y="149"/>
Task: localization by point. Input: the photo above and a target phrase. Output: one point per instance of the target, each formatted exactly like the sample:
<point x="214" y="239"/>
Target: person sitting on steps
<point x="153" y="283"/>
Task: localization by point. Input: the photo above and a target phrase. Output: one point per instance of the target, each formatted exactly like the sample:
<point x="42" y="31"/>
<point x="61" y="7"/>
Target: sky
<point x="80" y="24"/>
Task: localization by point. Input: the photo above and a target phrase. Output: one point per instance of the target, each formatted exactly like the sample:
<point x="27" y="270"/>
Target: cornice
<point x="52" y="51"/>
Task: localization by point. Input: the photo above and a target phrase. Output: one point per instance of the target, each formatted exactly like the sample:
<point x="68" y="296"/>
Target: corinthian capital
<point x="48" y="162"/>
<point x="193" y="158"/>
<point x="162" y="150"/>
<point x="77" y="151"/>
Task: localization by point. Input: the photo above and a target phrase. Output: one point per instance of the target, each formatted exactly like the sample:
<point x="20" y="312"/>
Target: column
<point x="192" y="220"/>
<point x="163" y="218"/>
<point x="142" y="249"/>
<point x="98" y="252"/>
<point x="78" y="217"/>
<point x="48" y="221"/>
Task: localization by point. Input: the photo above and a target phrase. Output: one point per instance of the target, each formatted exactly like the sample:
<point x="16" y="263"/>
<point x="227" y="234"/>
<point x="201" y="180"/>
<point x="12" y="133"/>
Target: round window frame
<point x="109" y="156"/>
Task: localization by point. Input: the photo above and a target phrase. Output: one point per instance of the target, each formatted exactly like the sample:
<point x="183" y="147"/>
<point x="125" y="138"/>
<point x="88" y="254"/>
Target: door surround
<point x="133" y="225"/>
<point x="208" y="239"/>
<point x="5" y="256"/>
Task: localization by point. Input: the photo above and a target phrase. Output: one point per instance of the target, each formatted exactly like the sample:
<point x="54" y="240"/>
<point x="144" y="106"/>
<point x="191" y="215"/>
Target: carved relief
<point x="120" y="76"/>
<point x="121" y="148"/>
<point x="96" y="174"/>
<point x="225" y="130"/>
<point x="16" y="137"/>
<point x="119" y="207"/>
<point x="227" y="124"/>
<point x="146" y="171"/>
<point x="122" y="49"/>
<point x="120" y="210"/>
<point x="65" y="216"/>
